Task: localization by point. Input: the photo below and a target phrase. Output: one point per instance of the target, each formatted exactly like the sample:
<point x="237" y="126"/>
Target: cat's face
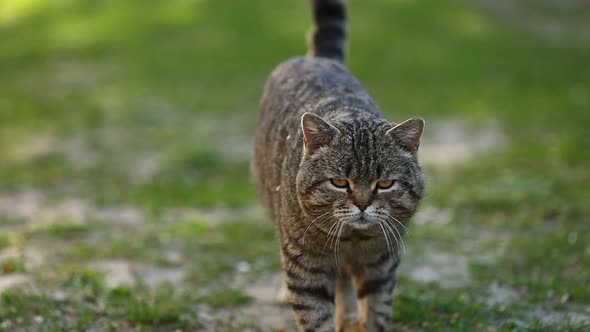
<point x="361" y="174"/>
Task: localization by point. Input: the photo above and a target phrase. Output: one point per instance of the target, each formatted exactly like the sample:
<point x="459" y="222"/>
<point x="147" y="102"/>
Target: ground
<point x="125" y="135"/>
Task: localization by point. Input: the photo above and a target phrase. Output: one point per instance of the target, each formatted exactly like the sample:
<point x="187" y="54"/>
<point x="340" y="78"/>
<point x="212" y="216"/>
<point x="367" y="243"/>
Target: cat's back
<point x="307" y="81"/>
<point x="307" y="84"/>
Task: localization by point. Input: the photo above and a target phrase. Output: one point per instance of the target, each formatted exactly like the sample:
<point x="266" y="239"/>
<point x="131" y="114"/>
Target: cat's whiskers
<point x="335" y="233"/>
<point x="388" y="215"/>
<point x="395" y="234"/>
<point x="401" y="239"/>
<point x="399" y="222"/>
<point x="337" y="245"/>
<point x="389" y="220"/>
<point x="339" y="219"/>
<point x="389" y="248"/>
<point x="321" y="222"/>
<point x="334" y="227"/>
<point x="404" y="228"/>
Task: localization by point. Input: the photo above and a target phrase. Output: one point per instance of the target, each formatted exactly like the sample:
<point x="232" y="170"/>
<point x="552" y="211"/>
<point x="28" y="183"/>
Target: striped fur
<point x="340" y="246"/>
<point x="328" y="34"/>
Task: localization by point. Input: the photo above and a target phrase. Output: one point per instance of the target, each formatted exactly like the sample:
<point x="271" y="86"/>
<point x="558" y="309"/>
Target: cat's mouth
<point x="361" y="223"/>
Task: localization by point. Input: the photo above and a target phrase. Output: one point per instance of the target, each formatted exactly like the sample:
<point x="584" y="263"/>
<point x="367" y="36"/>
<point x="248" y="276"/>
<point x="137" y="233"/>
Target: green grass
<point x="223" y="298"/>
<point x="443" y="310"/>
<point x="114" y="310"/>
<point x="6" y="240"/>
<point x="65" y="230"/>
<point x="428" y="307"/>
<point x="117" y="104"/>
<point x="11" y="265"/>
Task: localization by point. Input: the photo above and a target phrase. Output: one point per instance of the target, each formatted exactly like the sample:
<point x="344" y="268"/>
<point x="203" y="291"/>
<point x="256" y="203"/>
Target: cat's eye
<point x="339" y="183"/>
<point x="385" y="184"/>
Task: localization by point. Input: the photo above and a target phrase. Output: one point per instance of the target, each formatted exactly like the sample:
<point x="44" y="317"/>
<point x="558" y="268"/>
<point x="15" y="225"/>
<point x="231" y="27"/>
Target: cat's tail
<point x="328" y="35"/>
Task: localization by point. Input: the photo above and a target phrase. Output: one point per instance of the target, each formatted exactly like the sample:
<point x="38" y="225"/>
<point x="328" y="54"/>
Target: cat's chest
<point x="360" y="247"/>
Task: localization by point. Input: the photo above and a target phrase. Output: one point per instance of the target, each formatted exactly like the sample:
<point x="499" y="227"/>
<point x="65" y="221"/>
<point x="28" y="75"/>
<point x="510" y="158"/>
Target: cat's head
<point x="363" y="172"/>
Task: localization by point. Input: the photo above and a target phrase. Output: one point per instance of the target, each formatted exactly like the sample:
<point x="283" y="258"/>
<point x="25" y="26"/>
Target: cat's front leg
<point x="346" y="306"/>
<point x="310" y="288"/>
<point x="374" y="295"/>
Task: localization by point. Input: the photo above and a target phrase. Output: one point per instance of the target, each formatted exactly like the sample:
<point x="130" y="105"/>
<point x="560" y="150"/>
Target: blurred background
<point x="125" y="135"/>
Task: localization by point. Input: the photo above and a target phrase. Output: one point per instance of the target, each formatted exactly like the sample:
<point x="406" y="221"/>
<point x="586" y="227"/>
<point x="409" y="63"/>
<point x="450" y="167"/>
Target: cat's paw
<point x="353" y="327"/>
<point x="358" y="327"/>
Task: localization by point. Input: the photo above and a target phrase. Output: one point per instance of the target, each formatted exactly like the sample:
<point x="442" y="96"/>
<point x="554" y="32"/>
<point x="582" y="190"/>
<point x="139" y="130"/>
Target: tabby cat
<point x="339" y="181"/>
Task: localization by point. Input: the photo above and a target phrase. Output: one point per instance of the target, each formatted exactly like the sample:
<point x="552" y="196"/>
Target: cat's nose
<point x="361" y="205"/>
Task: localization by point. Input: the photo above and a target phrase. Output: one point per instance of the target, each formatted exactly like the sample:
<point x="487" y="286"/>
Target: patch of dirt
<point x="433" y="215"/>
<point x="9" y="253"/>
<point x="450" y="142"/>
<point x="214" y="215"/>
<point x="276" y="316"/>
<point x="444" y="268"/>
<point x="24" y="204"/>
<point x="548" y="316"/>
<point x="33" y="207"/>
<point x="146" y="167"/>
<point x="121" y="272"/>
<point x="30" y="256"/>
<point x="14" y="280"/>
<point x="501" y="295"/>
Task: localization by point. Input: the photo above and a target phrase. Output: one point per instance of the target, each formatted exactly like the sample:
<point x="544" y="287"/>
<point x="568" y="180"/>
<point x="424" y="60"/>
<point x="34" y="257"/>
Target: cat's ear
<point x="316" y="131"/>
<point x="409" y="133"/>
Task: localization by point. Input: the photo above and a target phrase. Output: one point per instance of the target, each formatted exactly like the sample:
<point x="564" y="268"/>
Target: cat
<point x="339" y="181"/>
